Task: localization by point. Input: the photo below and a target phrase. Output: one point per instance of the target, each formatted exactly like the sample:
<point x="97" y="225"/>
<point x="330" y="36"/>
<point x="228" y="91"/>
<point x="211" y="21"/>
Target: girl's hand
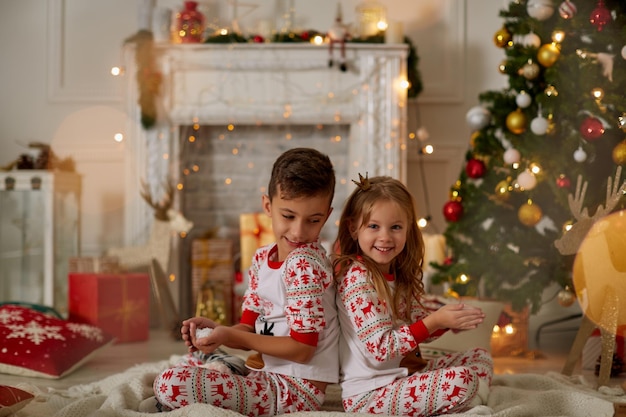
<point x="207" y="344"/>
<point x="188" y="330"/>
<point x="455" y="317"/>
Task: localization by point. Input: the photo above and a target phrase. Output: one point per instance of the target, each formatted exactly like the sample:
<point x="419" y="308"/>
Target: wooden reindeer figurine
<point x="166" y="222"/>
<point x="570" y="244"/>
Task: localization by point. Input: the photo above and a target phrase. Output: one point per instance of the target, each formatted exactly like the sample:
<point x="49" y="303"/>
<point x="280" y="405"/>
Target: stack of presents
<point x="103" y="294"/>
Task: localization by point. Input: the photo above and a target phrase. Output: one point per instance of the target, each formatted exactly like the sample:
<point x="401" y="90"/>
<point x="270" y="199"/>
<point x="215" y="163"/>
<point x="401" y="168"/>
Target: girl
<point x="378" y="274"/>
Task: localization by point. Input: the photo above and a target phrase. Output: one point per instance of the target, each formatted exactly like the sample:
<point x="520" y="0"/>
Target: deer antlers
<point x="160" y="207"/>
<point x="569" y="243"/>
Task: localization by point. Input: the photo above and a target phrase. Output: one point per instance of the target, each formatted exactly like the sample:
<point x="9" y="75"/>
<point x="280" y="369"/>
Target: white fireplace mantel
<point x="268" y="84"/>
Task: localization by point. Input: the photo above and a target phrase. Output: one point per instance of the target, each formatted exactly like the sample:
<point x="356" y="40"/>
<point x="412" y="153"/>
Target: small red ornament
<point x="448" y="261"/>
<point x="591" y="129"/>
<point x="453" y="211"/>
<point x="258" y="39"/>
<point x="475" y="168"/>
<point x="305" y="36"/>
<point x="600" y="16"/>
<point x="562" y="181"/>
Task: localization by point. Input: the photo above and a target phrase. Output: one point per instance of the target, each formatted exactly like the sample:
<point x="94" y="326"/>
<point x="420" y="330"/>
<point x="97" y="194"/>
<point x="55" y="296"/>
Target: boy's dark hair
<point x="302" y="172"/>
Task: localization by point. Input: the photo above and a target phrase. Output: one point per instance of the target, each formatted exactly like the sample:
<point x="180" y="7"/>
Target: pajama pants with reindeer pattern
<point x="447" y="384"/>
<point x="258" y="393"/>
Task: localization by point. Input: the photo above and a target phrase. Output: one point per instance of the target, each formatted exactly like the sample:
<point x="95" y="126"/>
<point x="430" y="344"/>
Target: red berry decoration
<point x="563" y="182"/>
<point x="600" y="16"/>
<point x="258" y="39"/>
<point x="475" y="168"/>
<point x="305" y="36"/>
<point x="591" y="129"/>
<point x="453" y="211"/>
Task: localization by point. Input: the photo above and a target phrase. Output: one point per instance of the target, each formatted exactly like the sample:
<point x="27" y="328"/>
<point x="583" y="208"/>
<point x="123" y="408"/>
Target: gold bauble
<point x="473" y="138"/>
<point x="548" y="54"/>
<point x="619" y="153"/>
<point x="503" y="190"/>
<point x="502" y="67"/>
<point x="530" y="70"/>
<point x="566" y="297"/>
<point x="529" y="214"/>
<point x="516" y="122"/>
<point x="502" y="38"/>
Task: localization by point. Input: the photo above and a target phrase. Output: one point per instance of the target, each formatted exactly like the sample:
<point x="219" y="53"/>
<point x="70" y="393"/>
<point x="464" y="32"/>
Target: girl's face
<point x="384" y="236"/>
<point x="296" y="221"/>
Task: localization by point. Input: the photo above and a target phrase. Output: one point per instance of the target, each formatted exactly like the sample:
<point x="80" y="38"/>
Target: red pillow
<point x="12" y="399"/>
<point x="40" y="345"/>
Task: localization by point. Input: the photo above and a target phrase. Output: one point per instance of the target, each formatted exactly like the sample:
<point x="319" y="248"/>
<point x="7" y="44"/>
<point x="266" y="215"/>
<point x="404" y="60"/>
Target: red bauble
<point x="453" y="211"/>
<point x="475" y="168"/>
<point x="591" y="129"/>
<point x="258" y="39"/>
<point x="600" y="16"/>
<point x="305" y="36"/>
<point x="563" y="182"/>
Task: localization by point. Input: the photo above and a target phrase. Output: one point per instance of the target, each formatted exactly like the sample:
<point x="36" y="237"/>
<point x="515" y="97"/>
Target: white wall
<point x="56" y="87"/>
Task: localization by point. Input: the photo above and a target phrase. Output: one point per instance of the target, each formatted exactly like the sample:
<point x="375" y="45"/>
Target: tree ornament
<point x="562" y="181"/>
<point x="453" y="211"/>
<point x="600" y="16"/>
<point x="258" y="39"/>
<point x="551" y="91"/>
<point x="502" y="37"/>
<point x="624" y="51"/>
<point x="566" y="297"/>
<point x="529" y="214"/>
<point x="516" y="122"/>
<point x="530" y="70"/>
<point x="532" y="40"/>
<point x="523" y="99"/>
<point x="580" y="155"/>
<point x="619" y="153"/>
<point x="548" y="54"/>
<point x="478" y="117"/>
<point x="567" y="9"/>
<point x="475" y="168"/>
<point x="527" y="180"/>
<point x="621" y="122"/>
<point x="539" y="125"/>
<point x="502" y="66"/>
<point x="503" y="190"/>
<point x="591" y="129"/>
<point x="540" y="9"/>
<point x="511" y="156"/>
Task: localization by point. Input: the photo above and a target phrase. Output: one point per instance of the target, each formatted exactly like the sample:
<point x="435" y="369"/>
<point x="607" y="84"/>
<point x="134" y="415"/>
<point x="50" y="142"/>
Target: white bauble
<point x="580" y="155"/>
<point x="624" y="52"/>
<point x="527" y="180"/>
<point x="539" y="125"/>
<point x="540" y="9"/>
<point x="523" y="99"/>
<point x="532" y="39"/>
<point x="478" y="117"/>
<point x="511" y="156"/>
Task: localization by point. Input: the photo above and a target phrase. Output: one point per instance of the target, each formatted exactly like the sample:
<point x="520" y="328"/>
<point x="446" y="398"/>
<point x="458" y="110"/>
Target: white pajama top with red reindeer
<point x="295" y="298"/>
<point x="371" y="348"/>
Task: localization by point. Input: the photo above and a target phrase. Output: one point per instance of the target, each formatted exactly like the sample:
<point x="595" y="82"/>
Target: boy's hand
<point x="189" y="327"/>
<point x="455" y="317"/>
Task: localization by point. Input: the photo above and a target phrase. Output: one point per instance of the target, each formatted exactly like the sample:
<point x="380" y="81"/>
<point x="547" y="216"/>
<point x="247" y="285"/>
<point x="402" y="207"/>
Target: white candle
<point x="394" y="32"/>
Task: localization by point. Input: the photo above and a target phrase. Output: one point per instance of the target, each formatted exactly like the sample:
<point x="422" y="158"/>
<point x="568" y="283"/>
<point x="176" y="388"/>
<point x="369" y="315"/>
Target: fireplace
<point x="227" y="111"/>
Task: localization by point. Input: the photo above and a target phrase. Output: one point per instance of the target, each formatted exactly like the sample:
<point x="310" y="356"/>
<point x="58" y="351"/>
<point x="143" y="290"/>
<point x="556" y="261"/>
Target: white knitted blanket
<point x="520" y="395"/>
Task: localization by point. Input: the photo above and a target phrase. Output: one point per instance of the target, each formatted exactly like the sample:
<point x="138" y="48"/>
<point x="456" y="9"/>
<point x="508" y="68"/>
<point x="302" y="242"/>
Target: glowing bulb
<point x="558" y="36"/>
<point x="382" y="25"/>
<point x="404" y="84"/>
<point x="118" y="137"/>
<point x="597" y="93"/>
<point x="509" y="329"/>
<point x="428" y="149"/>
<point x="115" y="71"/>
<point x="317" y="40"/>
<point x="422" y="223"/>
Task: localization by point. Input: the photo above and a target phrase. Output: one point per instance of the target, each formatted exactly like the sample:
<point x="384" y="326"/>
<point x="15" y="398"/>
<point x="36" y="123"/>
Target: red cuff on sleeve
<point x="419" y="331"/>
<point x="306" y="338"/>
<point x="248" y="317"/>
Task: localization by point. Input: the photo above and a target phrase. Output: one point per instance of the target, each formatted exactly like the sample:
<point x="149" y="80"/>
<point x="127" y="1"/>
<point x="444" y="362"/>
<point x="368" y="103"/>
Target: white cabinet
<point x="39" y="232"/>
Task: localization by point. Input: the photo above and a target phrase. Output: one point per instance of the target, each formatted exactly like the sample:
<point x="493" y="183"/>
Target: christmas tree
<point x="562" y="115"/>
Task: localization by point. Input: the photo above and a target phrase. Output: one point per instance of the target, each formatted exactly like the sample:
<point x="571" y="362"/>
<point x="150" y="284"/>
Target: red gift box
<point x="119" y="304"/>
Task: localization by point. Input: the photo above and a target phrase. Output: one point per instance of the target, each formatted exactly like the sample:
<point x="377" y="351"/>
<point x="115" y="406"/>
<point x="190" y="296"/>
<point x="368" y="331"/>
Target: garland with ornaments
<point x="563" y="115"/>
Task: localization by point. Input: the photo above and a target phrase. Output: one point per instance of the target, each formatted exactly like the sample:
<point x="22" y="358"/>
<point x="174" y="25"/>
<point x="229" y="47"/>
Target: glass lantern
<point x="371" y="18"/>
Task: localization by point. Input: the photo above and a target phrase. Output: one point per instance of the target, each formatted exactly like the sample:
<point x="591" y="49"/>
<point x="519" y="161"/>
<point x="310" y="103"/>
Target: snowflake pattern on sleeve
<point x="371" y="317"/>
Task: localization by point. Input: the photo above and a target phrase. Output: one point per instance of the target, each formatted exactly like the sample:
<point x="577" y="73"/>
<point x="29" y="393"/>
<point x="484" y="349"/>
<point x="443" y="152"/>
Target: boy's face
<point x="296" y="221"/>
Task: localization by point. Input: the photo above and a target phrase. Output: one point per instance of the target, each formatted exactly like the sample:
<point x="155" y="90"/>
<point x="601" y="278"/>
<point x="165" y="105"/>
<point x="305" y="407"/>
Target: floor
<point x="548" y="354"/>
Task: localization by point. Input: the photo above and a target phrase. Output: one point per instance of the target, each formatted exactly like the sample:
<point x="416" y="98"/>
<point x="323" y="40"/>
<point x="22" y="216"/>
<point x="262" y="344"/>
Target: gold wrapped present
<point x="255" y="230"/>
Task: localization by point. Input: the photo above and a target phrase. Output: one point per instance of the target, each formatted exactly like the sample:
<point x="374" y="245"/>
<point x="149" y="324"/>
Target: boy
<point x="289" y="312"/>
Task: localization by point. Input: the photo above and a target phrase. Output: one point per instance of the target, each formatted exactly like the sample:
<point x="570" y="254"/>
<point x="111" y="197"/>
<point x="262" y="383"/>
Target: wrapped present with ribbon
<point x="255" y="230"/>
<point x="212" y="278"/>
<point x="119" y="304"/>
